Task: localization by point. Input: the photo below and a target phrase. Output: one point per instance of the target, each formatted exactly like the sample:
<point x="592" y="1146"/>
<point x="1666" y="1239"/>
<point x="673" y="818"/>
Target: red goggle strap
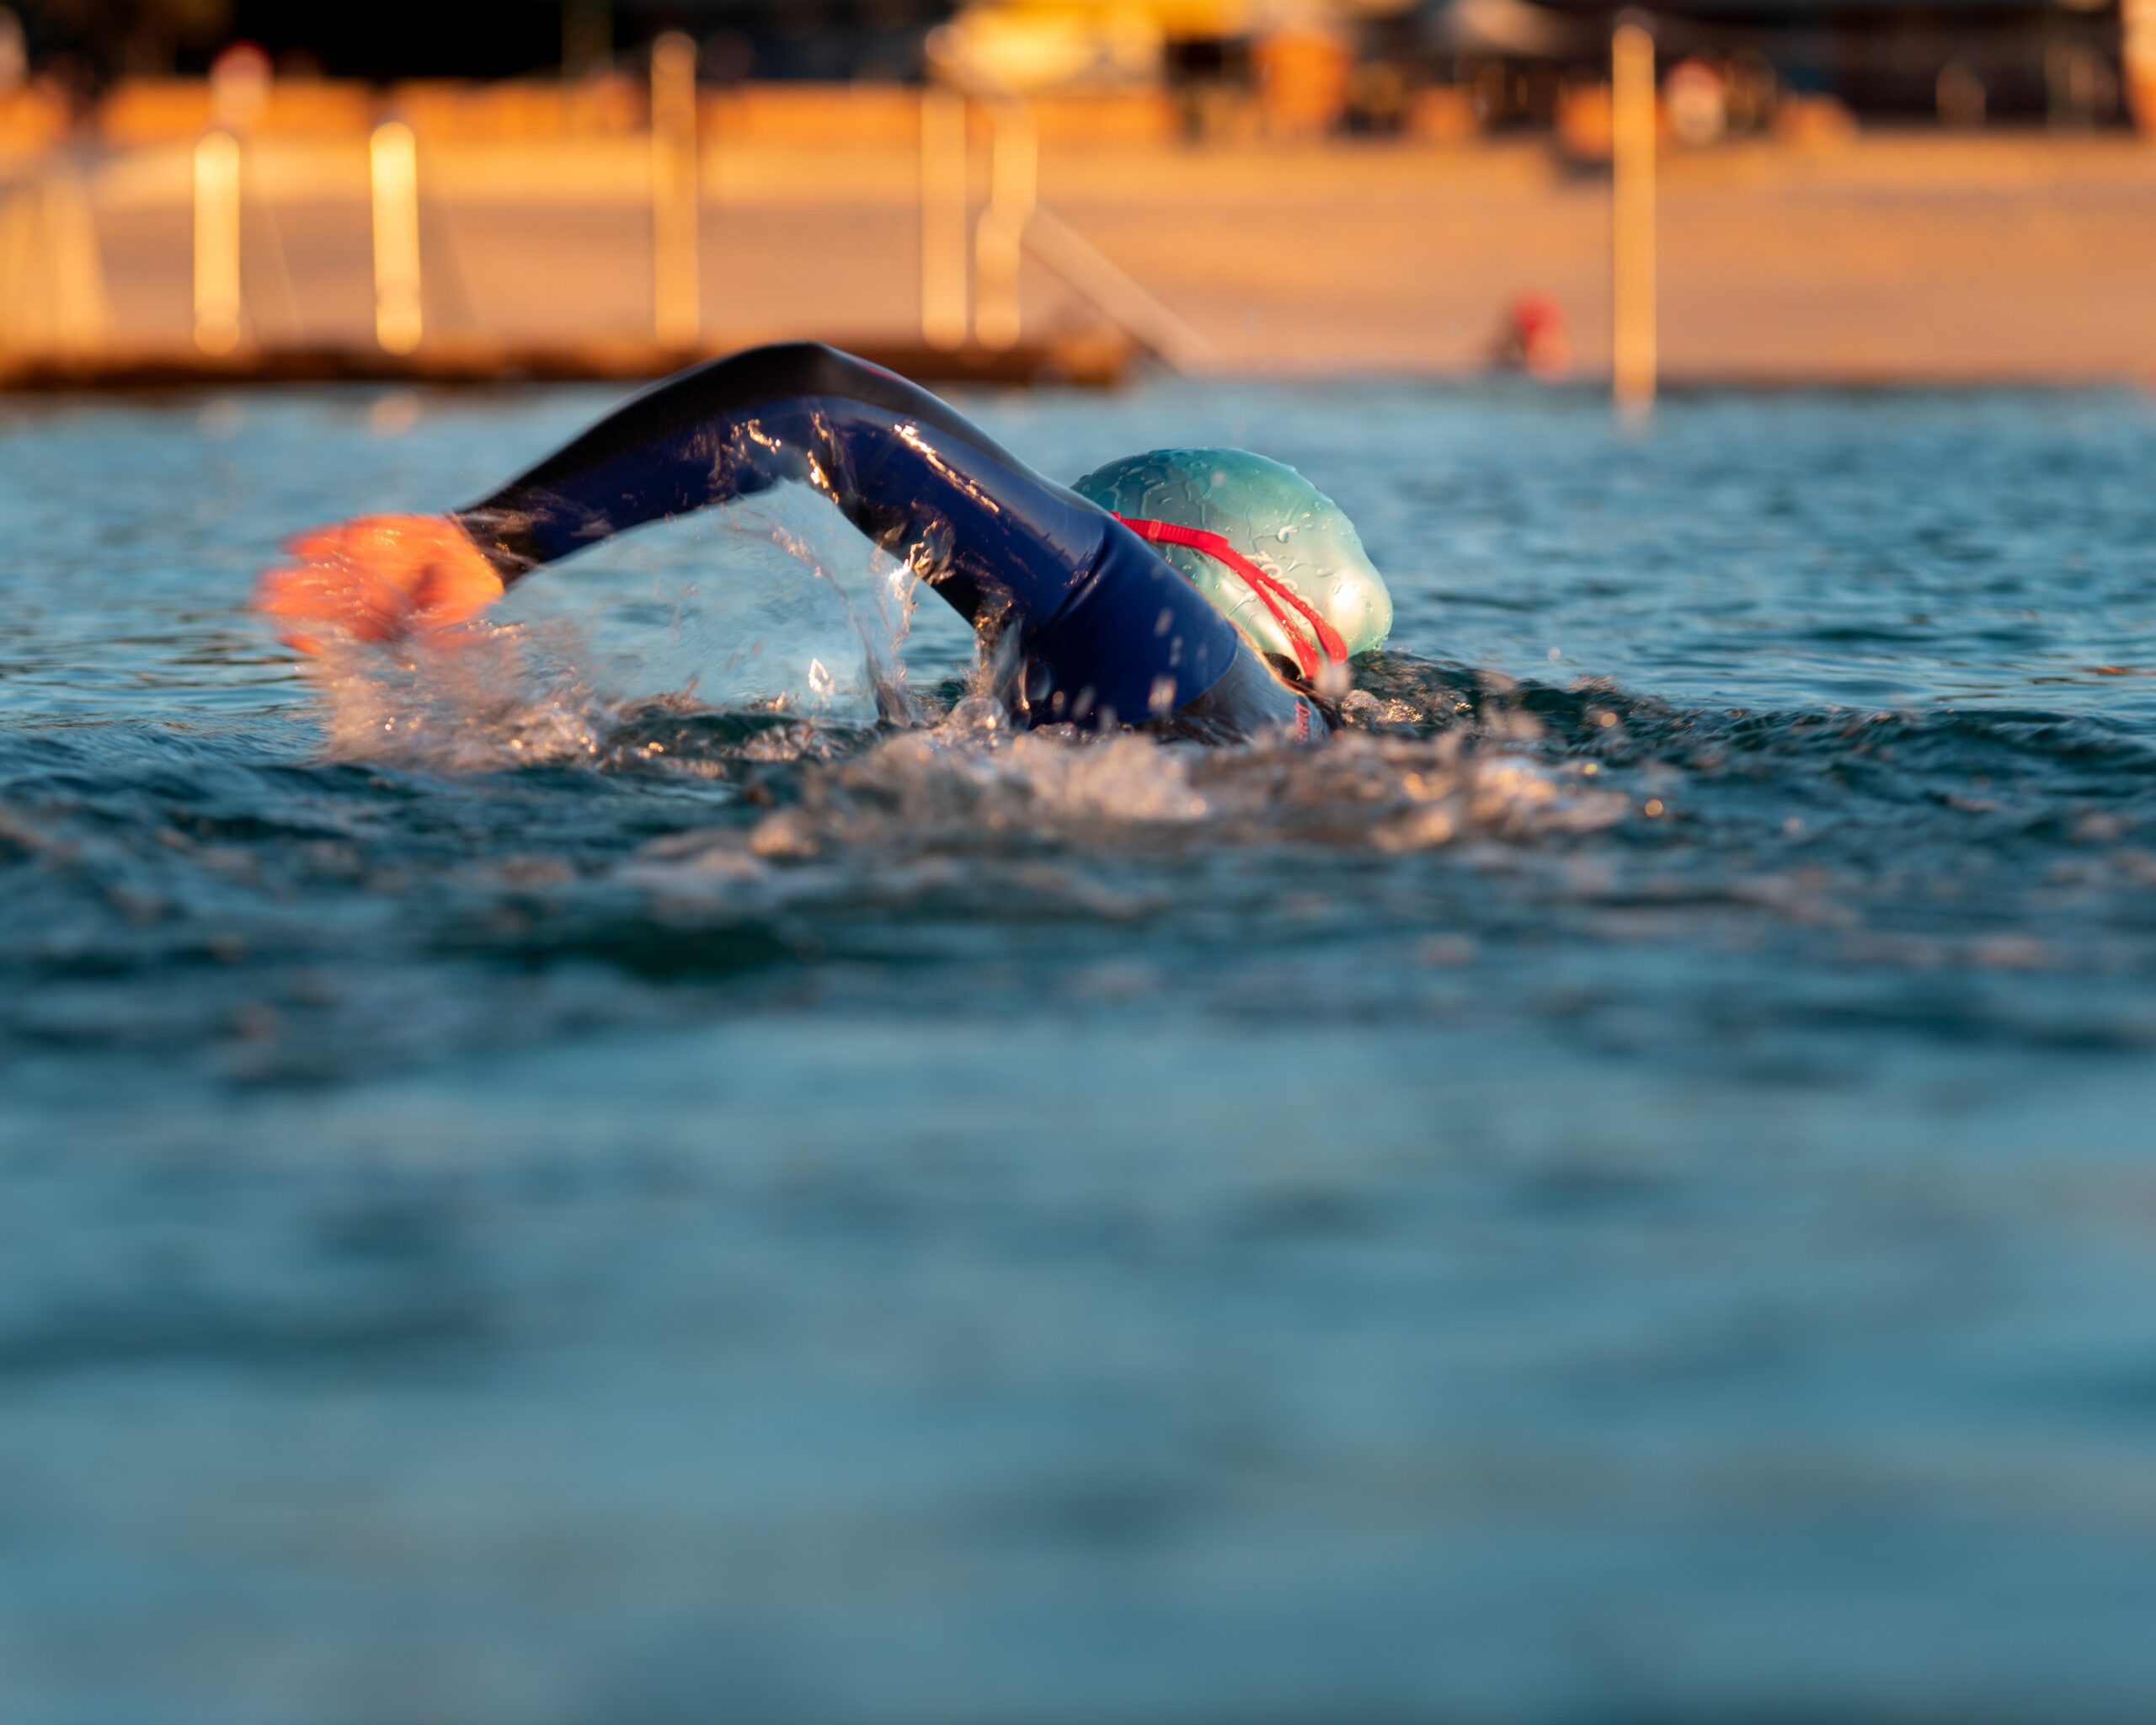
<point x="1272" y="592"/>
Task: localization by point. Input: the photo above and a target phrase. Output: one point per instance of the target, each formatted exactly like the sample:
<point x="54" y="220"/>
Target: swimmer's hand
<point x="378" y="578"/>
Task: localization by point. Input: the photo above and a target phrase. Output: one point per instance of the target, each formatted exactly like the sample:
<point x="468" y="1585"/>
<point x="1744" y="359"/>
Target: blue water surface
<point x="586" y="1179"/>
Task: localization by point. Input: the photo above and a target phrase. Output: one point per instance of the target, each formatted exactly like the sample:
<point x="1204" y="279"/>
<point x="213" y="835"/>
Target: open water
<point x="587" y="1180"/>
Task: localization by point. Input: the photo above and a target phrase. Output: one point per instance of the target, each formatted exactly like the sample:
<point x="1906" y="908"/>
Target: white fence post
<point x="217" y="303"/>
<point x="676" y="301"/>
<point x="1633" y="360"/>
<point x="393" y="159"/>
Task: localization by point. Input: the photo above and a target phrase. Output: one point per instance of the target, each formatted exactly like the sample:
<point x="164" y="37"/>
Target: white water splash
<point x="486" y="698"/>
<point x="553" y="685"/>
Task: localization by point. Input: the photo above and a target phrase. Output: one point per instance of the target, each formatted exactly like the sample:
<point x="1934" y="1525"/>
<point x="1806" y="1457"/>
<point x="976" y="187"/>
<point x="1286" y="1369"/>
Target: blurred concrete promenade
<point x="1927" y="256"/>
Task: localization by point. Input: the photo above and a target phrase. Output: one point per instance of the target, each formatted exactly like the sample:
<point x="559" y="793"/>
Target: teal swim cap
<point x="1270" y="514"/>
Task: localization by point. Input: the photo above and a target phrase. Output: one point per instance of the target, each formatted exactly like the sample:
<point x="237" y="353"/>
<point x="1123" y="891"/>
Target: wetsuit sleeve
<point x="1104" y="628"/>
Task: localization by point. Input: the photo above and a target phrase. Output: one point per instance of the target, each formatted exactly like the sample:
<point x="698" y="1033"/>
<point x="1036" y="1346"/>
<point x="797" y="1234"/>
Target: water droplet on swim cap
<point x="1271" y="513"/>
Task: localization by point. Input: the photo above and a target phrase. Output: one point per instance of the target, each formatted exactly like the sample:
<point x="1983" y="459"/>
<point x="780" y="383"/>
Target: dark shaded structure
<point x="1959" y="60"/>
<point x="389" y="39"/>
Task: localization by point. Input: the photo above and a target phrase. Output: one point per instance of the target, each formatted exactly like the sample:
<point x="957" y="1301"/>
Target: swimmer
<point x="1210" y="595"/>
<point x="1533" y="339"/>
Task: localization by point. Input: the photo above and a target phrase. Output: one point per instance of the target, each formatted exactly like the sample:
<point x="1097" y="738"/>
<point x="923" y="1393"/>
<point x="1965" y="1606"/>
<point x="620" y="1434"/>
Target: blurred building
<point x="388" y="39"/>
<point x="1279" y="68"/>
<point x="1959" y="62"/>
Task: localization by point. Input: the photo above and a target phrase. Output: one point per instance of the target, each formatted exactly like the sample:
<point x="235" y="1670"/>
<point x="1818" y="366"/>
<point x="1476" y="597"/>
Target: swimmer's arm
<point x="718" y="431"/>
<point x="694" y="440"/>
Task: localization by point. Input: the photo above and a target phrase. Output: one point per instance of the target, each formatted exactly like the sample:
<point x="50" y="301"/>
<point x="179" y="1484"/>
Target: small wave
<point x="968" y="783"/>
<point x="483" y="698"/>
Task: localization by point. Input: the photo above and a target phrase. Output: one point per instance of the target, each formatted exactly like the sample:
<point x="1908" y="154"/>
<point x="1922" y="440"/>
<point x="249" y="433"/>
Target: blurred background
<point x="1865" y="191"/>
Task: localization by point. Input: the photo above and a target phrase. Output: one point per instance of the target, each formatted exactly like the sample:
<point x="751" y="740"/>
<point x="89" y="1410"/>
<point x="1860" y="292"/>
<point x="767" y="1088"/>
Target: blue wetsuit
<point x="1106" y="633"/>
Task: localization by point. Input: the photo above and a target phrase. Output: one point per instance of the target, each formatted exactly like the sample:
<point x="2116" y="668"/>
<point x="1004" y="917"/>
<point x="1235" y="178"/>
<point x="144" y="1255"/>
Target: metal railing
<point x="979" y="213"/>
<point x="52" y="286"/>
<point x="393" y="195"/>
<point x="1013" y="223"/>
<point x="676" y="199"/>
<point x="1633" y="144"/>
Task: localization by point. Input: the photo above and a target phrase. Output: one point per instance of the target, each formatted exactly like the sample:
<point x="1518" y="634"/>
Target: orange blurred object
<point x="32" y="119"/>
<point x="1695" y="103"/>
<point x="1442" y="114"/>
<point x="1814" y="122"/>
<point x="2137" y="48"/>
<point x="1584" y="132"/>
<point x="1304" y="74"/>
<point x="605" y="104"/>
<point x="149" y="111"/>
<point x="378" y="578"/>
<point x="239" y="86"/>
